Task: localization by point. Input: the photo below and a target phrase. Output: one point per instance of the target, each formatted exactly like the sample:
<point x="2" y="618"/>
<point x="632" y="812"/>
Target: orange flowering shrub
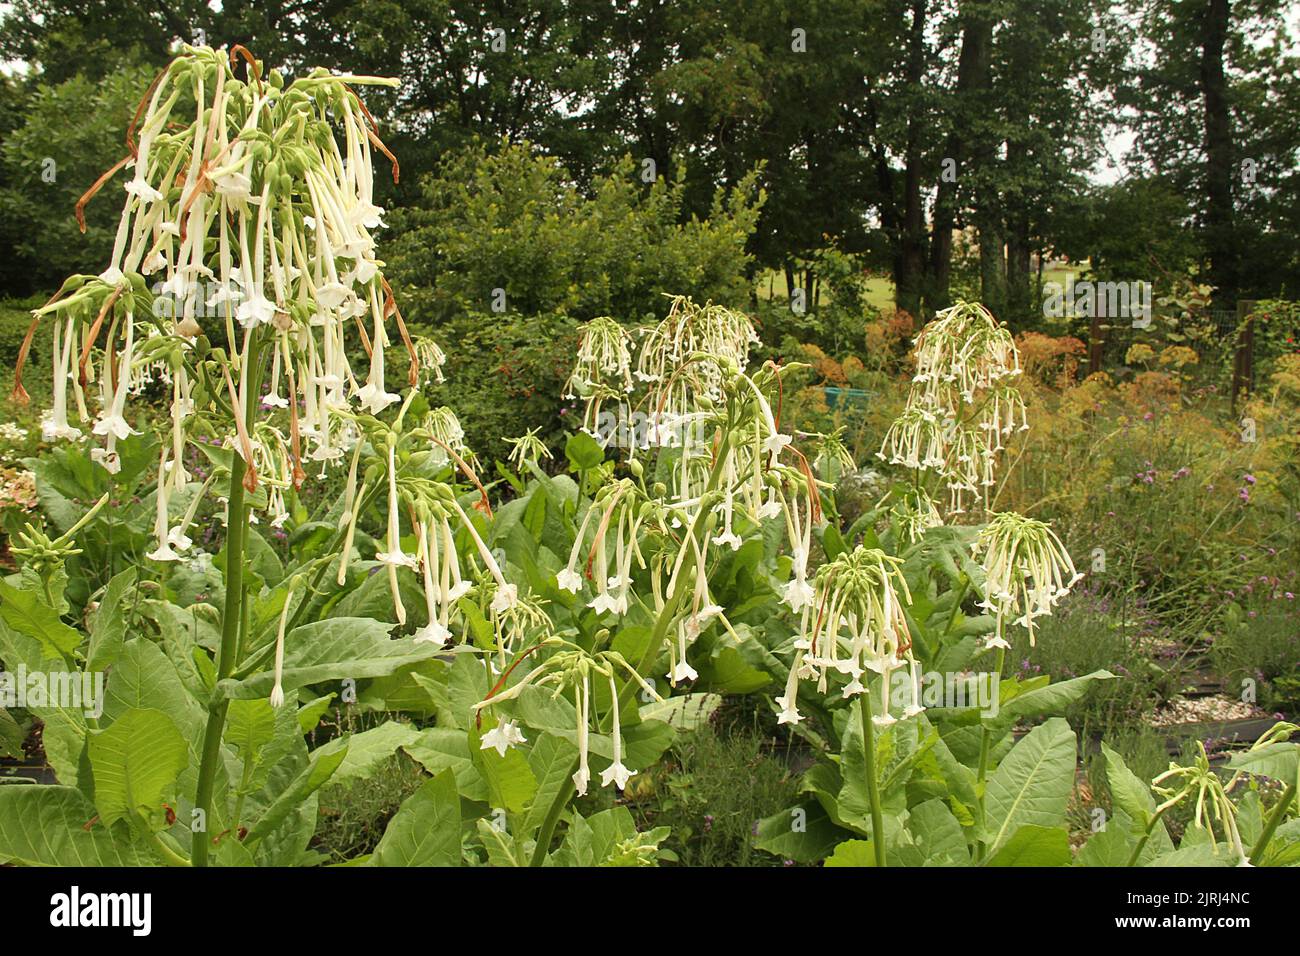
<point x="1048" y="359"/>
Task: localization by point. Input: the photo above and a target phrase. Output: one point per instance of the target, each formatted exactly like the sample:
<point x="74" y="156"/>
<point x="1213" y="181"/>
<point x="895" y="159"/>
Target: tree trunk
<point x="972" y="75"/>
<point x="1219" y="243"/>
<point x="911" y="260"/>
<point x="993" y="263"/>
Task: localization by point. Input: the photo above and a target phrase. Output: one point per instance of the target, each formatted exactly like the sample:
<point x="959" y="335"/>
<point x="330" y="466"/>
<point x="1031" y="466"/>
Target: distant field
<point x="772" y="285"/>
<point x="880" y="289"/>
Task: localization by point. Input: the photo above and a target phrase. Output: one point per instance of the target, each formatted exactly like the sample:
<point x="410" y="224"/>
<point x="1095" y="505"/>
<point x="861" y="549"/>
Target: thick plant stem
<point x="986" y="738"/>
<point x="1270" y="827"/>
<point x="231" y="618"/>
<point x="873" y="785"/>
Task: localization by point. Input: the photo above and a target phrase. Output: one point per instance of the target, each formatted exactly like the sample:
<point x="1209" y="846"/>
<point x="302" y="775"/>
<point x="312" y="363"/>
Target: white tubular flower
<point x="507" y="595"/>
<point x="444" y="426"/>
<point x="527" y="449"/>
<point x="431" y="359"/>
<point x="616" y="773"/>
<point x="915" y="512"/>
<point x="569" y="579"/>
<point x="435" y="631"/>
<point x="394" y="558"/>
<point x="961" y="404"/>
<point x="55" y="427"/>
<point x="1027" y="571"/>
<point x="277" y="692"/>
<point x="502" y="737"/>
<point x="604" y="362"/>
<point x="798" y="593"/>
<point x="583" y="775"/>
<point x="789" y="713"/>
<point x="164" y="551"/>
<point x="141" y="189"/>
<point x="112" y="422"/>
<point x="191" y="220"/>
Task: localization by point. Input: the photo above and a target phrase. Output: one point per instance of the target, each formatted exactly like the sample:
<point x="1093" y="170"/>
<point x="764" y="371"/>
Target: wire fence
<point x="1233" y="346"/>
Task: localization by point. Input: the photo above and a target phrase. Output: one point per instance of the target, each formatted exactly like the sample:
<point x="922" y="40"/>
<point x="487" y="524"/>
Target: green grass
<point x="772" y="286"/>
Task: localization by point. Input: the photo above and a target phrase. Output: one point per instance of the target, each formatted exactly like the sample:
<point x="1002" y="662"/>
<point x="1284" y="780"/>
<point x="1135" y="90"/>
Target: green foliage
<point x="71" y="133"/>
<point x="1261" y="649"/>
<point x="513" y="220"/>
<point x="720" y="781"/>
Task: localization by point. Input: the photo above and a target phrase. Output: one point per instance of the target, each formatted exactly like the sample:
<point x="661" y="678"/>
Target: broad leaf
<point x="135" y="763"/>
<point x="1033" y="784"/>
<point x="426" y="829"/>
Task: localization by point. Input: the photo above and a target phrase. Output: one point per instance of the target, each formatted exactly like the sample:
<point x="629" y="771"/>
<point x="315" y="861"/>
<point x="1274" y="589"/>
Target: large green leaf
<point x="108" y="622"/>
<point x="368" y="750"/>
<point x="594" y="840"/>
<point x="937" y="834"/>
<point x="852" y="853"/>
<point x="250" y="726"/>
<point x="11" y="735"/>
<point x="1032" y="785"/>
<point x="1132" y="798"/>
<point x="51" y="826"/>
<point x="144" y="678"/>
<point x="1033" y="845"/>
<point x="804" y="834"/>
<point x="1051" y="699"/>
<point x="323" y="763"/>
<point x="442" y="748"/>
<point x="553" y="761"/>
<point x="26" y="613"/>
<point x="426" y="829"/>
<point x="334" y="649"/>
<point x="135" y="763"/>
<point x="682" y="713"/>
<point x="1279" y="760"/>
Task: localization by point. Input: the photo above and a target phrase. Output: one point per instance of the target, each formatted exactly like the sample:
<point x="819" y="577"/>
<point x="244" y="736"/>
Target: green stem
<point x="986" y="739"/>
<point x="1274" y="819"/>
<point x="956" y="607"/>
<point x="232" y="616"/>
<point x="166" y="852"/>
<point x="873" y="786"/>
<point x="1142" y="843"/>
<point x="231" y="620"/>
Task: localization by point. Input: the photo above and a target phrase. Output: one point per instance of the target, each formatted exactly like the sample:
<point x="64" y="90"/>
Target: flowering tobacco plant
<point x="888" y="622"/>
<point x="243" y="274"/>
<point x="633" y="607"/>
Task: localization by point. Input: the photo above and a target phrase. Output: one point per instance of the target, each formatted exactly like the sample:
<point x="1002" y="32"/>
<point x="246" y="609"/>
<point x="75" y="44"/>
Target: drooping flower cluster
<point x="246" y="240"/>
<point x="723" y="448"/>
<point x="717" y="335"/>
<point x="603" y="370"/>
<point x="1027" y="571"/>
<point x="961" y="405"/>
<point x="571" y="668"/>
<point x="1200" y="782"/>
<point x="855" y="624"/>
